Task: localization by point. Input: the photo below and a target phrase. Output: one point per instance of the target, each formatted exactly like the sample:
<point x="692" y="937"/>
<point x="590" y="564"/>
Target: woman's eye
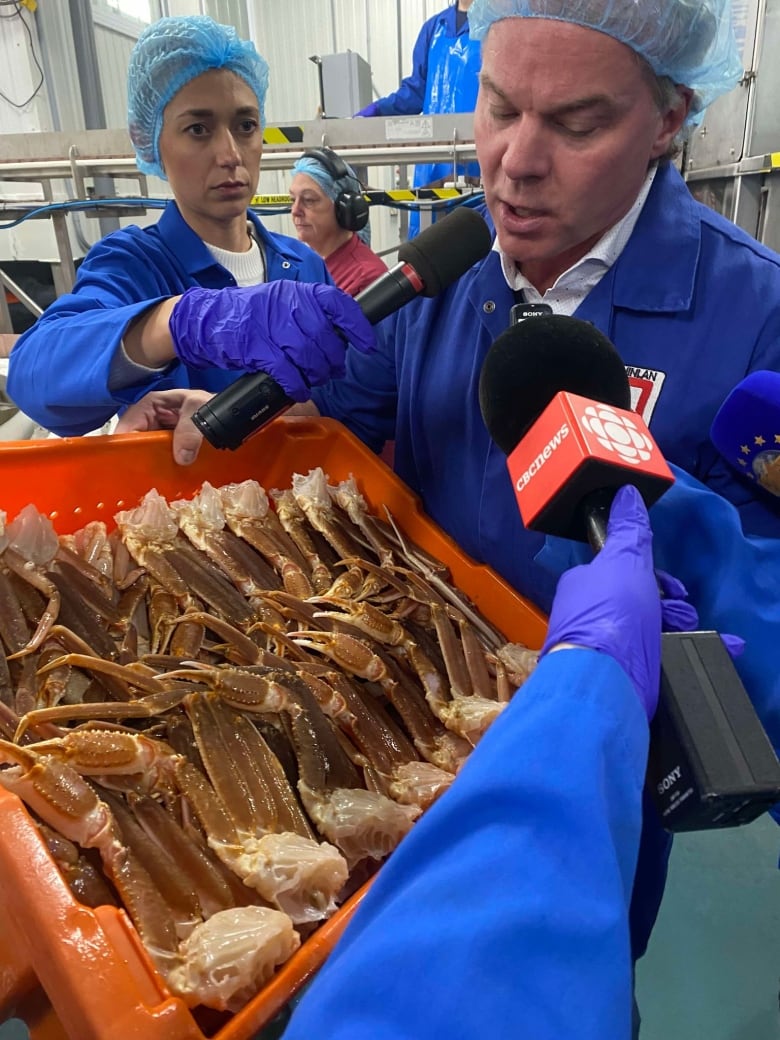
<point x="197" y="129"/>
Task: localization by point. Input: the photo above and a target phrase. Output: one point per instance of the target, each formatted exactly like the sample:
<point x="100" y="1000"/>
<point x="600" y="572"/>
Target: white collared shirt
<point x="571" y="287"/>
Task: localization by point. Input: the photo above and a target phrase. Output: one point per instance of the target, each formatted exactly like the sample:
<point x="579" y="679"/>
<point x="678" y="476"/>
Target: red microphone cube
<point x="575" y="447"/>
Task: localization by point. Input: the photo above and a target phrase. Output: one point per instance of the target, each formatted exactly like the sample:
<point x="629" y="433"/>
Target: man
<point x="579" y="107"/>
<point x="444" y="78"/>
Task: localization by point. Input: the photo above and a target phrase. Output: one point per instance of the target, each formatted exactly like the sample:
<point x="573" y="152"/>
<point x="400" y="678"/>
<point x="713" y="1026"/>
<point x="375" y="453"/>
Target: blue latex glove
<point x="297" y="332"/>
<point x="612" y="603"/>
<point x="369" y="110"/>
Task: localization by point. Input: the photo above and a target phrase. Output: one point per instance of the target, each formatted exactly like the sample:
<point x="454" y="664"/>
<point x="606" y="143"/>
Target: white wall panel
<point x="19" y="77"/>
<point x="113" y="53"/>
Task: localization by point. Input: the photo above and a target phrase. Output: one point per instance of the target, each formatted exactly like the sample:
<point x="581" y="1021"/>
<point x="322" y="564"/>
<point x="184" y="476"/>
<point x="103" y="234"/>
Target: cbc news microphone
<point x="746" y="429"/>
<point x="427" y="264"/>
<point x="556" y="399"/>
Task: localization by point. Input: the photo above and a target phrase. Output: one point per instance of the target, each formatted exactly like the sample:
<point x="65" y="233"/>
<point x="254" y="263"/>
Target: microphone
<point x="555" y="398"/>
<point x="746" y="429"/>
<point x="427" y="264"/>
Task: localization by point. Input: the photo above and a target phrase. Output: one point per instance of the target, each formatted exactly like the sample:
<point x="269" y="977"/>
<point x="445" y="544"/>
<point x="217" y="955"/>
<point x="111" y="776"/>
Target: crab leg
<point x="293" y="521"/>
<point x="249" y="516"/>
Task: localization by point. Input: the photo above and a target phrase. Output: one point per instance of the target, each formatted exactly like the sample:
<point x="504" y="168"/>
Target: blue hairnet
<point x="314" y="169"/>
<point x="690" y="41"/>
<point x="168" y="54"/>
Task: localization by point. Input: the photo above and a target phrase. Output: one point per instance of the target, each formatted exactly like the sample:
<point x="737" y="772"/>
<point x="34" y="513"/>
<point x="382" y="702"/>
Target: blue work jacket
<point x="692" y="304"/>
<point x="58" y="371"/>
<point x="503" y="913"/>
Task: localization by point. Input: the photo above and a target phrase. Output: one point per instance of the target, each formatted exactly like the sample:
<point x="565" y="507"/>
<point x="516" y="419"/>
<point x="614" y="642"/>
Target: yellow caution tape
<point x="774" y="160"/>
<point x="31" y="5"/>
<point x="283" y="135"/>
<point x="374" y="198"/>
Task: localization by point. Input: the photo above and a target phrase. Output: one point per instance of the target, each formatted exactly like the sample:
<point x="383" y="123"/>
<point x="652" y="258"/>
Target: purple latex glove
<point x="678" y="615"/>
<point x="369" y="110"/>
<point x="297" y="332"/>
<point x="612" y="604"/>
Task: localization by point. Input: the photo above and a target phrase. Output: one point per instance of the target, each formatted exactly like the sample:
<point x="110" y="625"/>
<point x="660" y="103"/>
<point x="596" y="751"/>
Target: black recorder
<point x="710" y="763"/>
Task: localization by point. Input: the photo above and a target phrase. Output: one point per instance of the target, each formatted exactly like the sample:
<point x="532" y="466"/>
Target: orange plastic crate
<point x="72" y="972"/>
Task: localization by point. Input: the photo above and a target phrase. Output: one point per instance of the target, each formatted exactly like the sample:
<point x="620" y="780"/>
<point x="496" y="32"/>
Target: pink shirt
<point x="353" y="266"/>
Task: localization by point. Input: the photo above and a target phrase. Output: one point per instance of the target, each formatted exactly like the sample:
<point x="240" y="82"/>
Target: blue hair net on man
<point x="690" y="41"/>
<point x="168" y="54"/>
<point x="331" y="185"/>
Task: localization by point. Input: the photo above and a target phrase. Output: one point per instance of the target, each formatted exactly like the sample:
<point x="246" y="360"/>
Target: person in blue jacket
<point x="205" y="294"/>
<point x="504" y="912"/>
<point x="578" y="112"/>
<point x="444" y="78"/>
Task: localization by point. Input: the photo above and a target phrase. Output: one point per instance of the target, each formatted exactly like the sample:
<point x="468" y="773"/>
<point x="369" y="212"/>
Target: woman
<point x="208" y="292"/>
<point x="331" y="216"/>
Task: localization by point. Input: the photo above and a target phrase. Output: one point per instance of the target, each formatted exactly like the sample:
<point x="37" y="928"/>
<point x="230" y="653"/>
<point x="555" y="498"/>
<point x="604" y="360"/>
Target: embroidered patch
<point x="645" y="386"/>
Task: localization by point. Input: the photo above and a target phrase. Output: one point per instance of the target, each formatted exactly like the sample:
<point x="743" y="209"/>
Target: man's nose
<point x="526" y="155"/>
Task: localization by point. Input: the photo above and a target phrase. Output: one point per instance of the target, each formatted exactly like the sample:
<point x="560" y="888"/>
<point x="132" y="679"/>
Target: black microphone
<point x="555" y="398"/>
<point x="545" y="387"/>
<point x="427" y="264"/>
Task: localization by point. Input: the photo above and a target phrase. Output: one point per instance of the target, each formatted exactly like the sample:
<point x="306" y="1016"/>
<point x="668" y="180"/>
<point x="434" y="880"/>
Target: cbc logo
<point x="617" y="433"/>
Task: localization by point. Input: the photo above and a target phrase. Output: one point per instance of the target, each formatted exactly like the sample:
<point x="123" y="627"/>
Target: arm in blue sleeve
<point x="408" y="99"/>
<point x="59" y="369"/>
<point x="504" y="911"/>
<point x="365" y="399"/>
<point x="732" y="579"/>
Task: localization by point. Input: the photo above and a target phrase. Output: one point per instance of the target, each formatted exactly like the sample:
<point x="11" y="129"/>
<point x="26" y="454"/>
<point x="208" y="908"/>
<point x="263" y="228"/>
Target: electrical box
<point x="346" y="84"/>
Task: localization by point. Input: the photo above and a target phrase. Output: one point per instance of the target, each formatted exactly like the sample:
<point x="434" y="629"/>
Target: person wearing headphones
<point x="331" y="215"/>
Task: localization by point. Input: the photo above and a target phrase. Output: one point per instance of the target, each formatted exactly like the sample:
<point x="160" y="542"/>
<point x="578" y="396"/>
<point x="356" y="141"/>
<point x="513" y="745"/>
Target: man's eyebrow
<point x="577" y="105"/>
<point x="583" y="104"/>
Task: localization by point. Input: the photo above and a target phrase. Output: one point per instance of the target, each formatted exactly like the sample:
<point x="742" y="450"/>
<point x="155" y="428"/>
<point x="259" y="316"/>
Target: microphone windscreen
<point x="529" y="363"/>
<point x="447" y="249"/>
<point x="746" y="429"/>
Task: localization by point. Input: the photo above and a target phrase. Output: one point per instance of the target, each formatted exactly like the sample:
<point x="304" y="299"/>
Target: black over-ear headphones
<point x="351" y="207"/>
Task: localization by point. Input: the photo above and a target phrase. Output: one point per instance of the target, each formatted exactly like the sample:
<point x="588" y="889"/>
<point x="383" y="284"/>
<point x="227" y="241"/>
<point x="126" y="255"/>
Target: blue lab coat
<point x="503" y="913"/>
<point x="58" y="371"/>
